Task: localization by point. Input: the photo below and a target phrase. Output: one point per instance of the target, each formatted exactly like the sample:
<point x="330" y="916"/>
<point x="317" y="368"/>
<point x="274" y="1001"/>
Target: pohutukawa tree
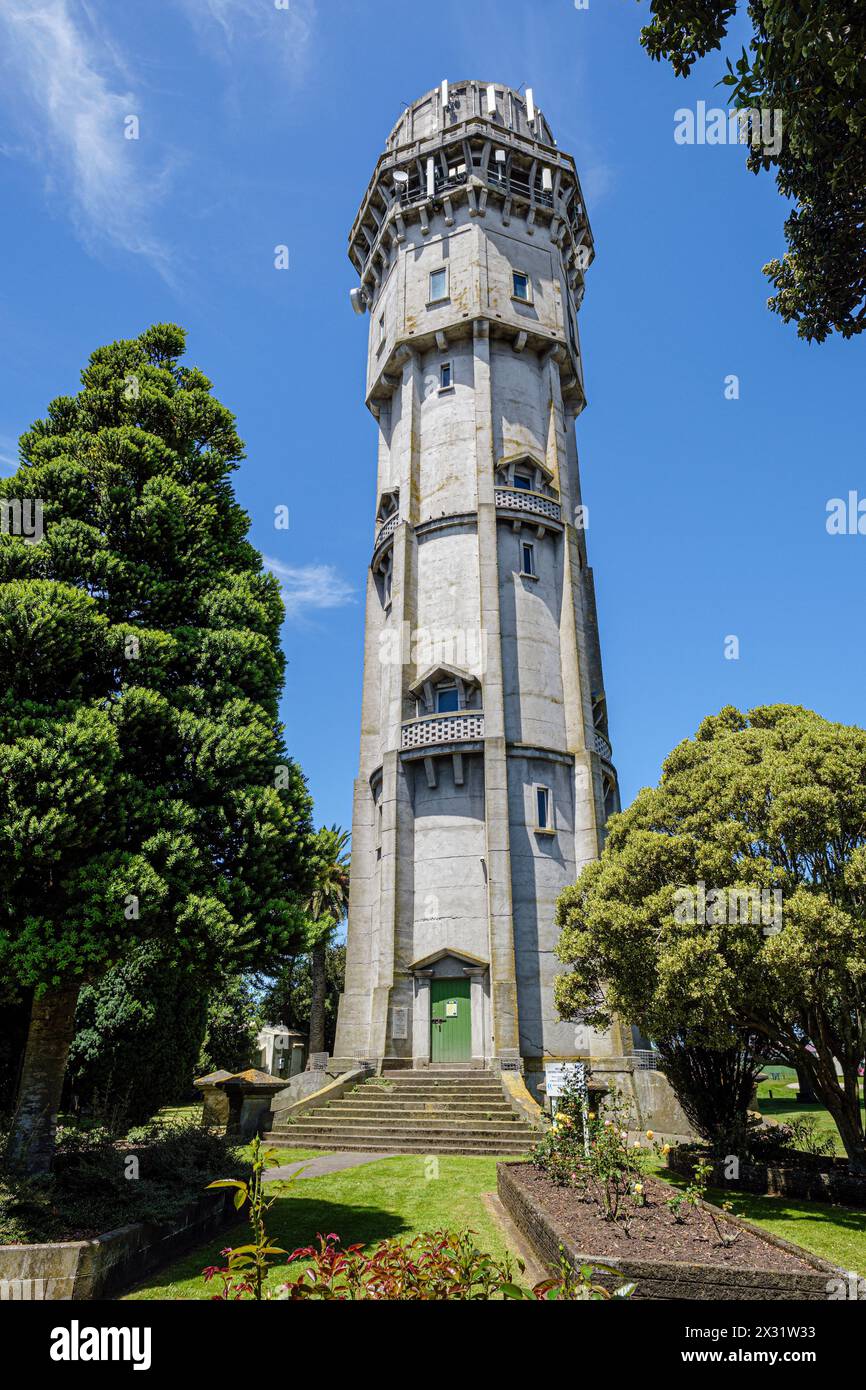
<point x="805" y="61"/>
<point x="145" y="791"/>
<point x="773" y="800"/>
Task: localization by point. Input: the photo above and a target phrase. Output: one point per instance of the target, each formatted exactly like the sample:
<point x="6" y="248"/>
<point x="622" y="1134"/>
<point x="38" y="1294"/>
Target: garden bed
<point x="96" y="1185"/>
<point x="110" y="1263"/>
<point x="666" y="1259"/>
<point x="785" y="1174"/>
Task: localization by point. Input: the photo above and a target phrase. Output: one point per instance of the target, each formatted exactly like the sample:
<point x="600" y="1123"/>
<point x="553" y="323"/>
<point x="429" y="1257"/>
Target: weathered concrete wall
<point x="109" y="1264"/>
<point x="446" y="855"/>
<point x="659" y="1108"/>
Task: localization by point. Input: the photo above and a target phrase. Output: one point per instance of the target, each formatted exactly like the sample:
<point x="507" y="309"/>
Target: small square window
<point x="527" y="555"/>
<point x="438" y="285"/>
<point x="447" y="699"/>
<point x="446" y="376"/>
<point x="543" y="819"/>
<point x="522" y="480"/>
<point x="521" y="285"/>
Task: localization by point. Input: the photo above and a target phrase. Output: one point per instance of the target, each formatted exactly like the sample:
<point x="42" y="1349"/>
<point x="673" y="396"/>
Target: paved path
<point x="327" y="1163"/>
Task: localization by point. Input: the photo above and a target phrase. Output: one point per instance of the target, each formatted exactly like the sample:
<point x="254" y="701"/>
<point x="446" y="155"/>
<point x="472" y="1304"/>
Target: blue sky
<point x="260" y="126"/>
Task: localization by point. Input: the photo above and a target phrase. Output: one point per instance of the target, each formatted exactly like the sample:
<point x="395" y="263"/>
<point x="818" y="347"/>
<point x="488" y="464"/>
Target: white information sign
<point x="557" y="1076"/>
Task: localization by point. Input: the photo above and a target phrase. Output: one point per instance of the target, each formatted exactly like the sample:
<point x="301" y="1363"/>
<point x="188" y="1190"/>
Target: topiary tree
<point x="668" y="927"/>
<point x="145" y="792"/>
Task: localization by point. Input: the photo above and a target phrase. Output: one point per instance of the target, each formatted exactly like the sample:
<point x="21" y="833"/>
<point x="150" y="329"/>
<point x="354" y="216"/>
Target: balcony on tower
<point x="524" y="491"/>
<point x="448" y="718"/>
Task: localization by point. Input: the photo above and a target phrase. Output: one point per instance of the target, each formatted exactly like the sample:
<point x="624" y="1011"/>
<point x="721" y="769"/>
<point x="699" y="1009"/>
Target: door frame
<point x="478" y="971"/>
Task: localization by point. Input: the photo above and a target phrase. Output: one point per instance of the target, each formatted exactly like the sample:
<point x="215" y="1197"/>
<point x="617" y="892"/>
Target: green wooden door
<point x="450" y="1021"/>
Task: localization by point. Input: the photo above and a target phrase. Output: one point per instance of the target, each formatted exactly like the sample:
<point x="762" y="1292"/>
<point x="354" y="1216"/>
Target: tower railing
<point x="465" y="727"/>
<point x="646" y="1059"/>
<point x="385" y="530"/>
<point x="602" y="747"/>
<point x="517" y="499"/>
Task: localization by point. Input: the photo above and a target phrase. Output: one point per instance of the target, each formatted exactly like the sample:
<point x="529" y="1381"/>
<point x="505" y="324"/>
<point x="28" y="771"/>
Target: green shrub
<point x="97" y="1185"/>
<point x="138" y="1032"/>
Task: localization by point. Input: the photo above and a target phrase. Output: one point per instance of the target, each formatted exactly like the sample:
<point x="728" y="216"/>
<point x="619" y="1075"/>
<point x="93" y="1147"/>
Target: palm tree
<point x="327" y="906"/>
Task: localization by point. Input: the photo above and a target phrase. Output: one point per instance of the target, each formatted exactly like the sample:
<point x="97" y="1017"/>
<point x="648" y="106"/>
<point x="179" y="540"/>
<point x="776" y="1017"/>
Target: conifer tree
<point x="145" y="791"/>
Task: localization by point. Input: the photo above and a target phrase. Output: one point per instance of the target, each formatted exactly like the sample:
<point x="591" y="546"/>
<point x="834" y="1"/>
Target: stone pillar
<point x="503" y="977"/>
<point x="480" y="1050"/>
<point x="421" y="1019"/>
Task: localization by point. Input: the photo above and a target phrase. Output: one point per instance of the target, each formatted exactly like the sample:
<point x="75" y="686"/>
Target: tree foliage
<point x="289" y="995"/>
<point x="328" y="905"/>
<point x="771" y="800"/>
<point x="805" y="60"/>
<point x="138" y="1032"/>
<point x="714" y="1086"/>
<point x="234" y="1018"/>
<point x="146" y="793"/>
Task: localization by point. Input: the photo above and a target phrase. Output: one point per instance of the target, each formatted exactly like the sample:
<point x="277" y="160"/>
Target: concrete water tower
<point x="486" y="773"/>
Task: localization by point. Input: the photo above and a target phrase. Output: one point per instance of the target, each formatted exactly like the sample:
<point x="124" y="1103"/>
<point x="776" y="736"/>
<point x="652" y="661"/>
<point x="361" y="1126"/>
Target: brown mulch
<point x="653" y="1233"/>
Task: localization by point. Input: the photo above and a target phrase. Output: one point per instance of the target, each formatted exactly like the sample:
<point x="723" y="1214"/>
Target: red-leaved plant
<point x="436" y="1265"/>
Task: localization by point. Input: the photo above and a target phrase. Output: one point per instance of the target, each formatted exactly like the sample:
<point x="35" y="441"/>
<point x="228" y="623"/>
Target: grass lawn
<point x="778" y="1102"/>
<point x="391" y="1197"/>
<point x="180" y="1114"/>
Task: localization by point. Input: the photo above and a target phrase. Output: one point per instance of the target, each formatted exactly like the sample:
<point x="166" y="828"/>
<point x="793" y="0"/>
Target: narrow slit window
<point x="446" y="376"/>
<point x="542" y="808"/>
<point x="381" y="330"/>
<point x="528" y="558"/>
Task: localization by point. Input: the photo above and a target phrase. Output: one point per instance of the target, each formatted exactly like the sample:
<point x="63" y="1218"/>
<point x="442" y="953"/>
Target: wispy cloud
<point x="8" y="453"/>
<point x="308" y="587"/>
<point x="66" y="82"/>
<point x="286" y="29"/>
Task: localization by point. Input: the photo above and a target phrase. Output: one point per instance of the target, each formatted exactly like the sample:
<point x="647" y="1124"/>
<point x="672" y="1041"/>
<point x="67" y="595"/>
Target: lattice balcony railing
<point x="602" y="747"/>
<point x="386" y="529"/>
<point x="443" y="728"/>
<point x="517" y="499"/>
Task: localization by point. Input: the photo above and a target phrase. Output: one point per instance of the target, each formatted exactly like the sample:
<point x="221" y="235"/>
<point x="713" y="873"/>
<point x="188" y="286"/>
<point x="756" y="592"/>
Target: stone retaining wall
<point x="658" y="1279"/>
<point x="109" y="1264"/>
<point x="827" y="1180"/>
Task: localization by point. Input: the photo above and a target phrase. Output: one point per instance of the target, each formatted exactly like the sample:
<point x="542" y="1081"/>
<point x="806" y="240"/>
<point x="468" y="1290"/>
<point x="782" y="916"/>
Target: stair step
<point x="417" y="1112"/>
<point x="412" y="1130"/>
<point x="401" y="1146"/>
<point x="420" y="1078"/>
<point x="448" y="1093"/>
<point x="433" y="1111"/>
<point x="331" y="1118"/>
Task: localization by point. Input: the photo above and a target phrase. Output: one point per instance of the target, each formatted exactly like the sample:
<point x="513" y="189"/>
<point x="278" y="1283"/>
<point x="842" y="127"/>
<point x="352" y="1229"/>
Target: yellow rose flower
<point x="666" y="1148"/>
<point x="649" y="1134"/>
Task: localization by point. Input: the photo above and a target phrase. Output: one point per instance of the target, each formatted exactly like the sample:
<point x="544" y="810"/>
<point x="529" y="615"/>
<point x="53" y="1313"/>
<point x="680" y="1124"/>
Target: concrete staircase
<point x="439" y="1110"/>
